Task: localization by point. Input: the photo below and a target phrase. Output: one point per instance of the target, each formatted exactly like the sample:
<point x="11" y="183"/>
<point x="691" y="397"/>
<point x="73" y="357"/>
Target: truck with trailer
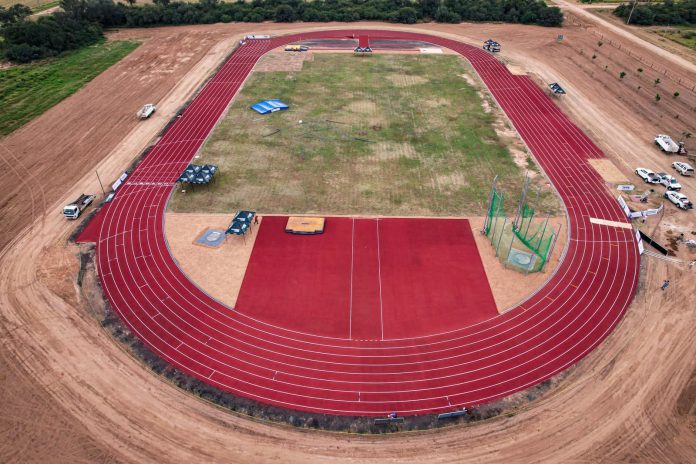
<point x="75" y="208"/>
<point x="668" y="145"/>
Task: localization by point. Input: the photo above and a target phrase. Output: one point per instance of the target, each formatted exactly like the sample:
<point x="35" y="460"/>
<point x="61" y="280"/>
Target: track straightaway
<point x="556" y="327"/>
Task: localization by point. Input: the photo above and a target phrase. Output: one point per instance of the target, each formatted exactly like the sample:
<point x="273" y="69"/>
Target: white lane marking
<point x="379" y="273"/>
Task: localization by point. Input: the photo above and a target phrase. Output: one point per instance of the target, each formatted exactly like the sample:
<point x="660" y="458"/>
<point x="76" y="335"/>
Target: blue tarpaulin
<point x="269" y="106"/>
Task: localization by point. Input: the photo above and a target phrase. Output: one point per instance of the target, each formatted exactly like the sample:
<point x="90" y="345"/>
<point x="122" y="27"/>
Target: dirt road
<point x="627" y="35"/>
<point x="70" y="394"/>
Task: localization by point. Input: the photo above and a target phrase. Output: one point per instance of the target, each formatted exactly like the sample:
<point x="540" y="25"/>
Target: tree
<point x="284" y="14"/>
<point x="405" y="15"/>
<point x="657" y="81"/>
<point x="550" y="16"/>
<point x="657" y="97"/>
<point x="162" y="2"/>
<point x="74" y="8"/>
<point x="445" y="15"/>
<point x="14" y="14"/>
<point x="23" y="53"/>
<point x="429" y="8"/>
<point x="622" y="74"/>
<point x="676" y="94"/>
<point x="131" y="2"/>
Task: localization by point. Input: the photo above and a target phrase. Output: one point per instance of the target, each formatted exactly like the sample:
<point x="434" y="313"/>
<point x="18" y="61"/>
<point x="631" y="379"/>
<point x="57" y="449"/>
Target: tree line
<point x="81" y="21"/>
<point x="669" y="12"/>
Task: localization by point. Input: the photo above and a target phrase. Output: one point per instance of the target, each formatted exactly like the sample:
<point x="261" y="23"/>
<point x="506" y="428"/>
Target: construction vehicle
<point x="74" y="209"/>
<point x="668" y="145"/>
<point x="146" y="111"/>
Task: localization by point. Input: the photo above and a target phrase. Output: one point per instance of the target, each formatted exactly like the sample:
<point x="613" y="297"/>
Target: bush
<point x="24" y="53"/>
<point x="48" y="36"/>
<point x="445" y="15"/>
<point x="284" y="14"/>
<point x="405" y="15"/>
<point x="667" y="12"/>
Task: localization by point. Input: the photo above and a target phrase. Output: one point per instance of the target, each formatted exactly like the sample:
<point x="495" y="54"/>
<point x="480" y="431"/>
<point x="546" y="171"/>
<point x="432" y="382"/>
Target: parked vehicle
<point x="666" y="143"/>
<point x="647" y="175"/>
<point x="146" y="111"/>
<point x="74" y="209"/>
<point x="679" y="199"/>
<point x="683" y="168"/>
<point x="296" y="48"/>
<point x="491" y="45"/>
<point x="670" y="182"/>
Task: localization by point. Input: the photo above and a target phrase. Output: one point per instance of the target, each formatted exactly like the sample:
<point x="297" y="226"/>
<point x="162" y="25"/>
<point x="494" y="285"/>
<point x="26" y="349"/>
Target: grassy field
<point x="685" y="35"/>
<point x="27" y="91"/>
<point x="33" y="4"/>
<point x="382" y="134"/>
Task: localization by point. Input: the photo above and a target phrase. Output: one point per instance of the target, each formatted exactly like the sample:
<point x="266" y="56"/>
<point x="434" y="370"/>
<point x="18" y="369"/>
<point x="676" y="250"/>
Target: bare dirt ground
<point x="71" y="394"/>
<point x="280" y="60"/>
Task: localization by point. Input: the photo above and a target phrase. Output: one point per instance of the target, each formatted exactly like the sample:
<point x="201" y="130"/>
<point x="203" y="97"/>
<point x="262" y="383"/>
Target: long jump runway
<point x="412" y="372"/>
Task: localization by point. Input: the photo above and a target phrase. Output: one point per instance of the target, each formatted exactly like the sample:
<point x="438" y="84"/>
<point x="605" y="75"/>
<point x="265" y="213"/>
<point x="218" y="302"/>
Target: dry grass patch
<point x="403" y="80"/>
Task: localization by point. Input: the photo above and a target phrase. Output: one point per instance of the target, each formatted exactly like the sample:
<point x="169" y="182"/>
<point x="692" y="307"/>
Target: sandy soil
<point x="70" y="394"/>
<point x="500" y="277"/>
<point x="218" y="271"/>
<point x="609" y="172"/>
<point x="280" y="60"/>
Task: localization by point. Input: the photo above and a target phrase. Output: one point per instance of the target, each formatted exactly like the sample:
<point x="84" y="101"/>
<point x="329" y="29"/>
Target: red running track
<point x="556" y="327"/>
<point x="367" y="279"/>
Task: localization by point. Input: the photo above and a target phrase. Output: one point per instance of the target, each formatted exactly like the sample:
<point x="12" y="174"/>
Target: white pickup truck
<point x="146" y="111"/>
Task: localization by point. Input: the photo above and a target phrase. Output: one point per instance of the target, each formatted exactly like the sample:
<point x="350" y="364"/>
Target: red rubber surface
<point x="552" y="330"/>
<point x="367" y="279"/>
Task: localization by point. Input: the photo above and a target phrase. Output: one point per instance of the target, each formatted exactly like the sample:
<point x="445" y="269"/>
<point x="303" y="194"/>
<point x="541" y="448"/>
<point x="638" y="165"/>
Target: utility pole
<point x="631" y="13"/>
<point x="100" y="182"/>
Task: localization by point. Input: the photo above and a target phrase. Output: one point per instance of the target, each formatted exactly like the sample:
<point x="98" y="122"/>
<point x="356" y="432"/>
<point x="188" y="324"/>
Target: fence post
<point x="553" y="245"/>
<point x="500" y="239"/>
<point x="490" y="203"/>
<point x="495" y="221"/>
